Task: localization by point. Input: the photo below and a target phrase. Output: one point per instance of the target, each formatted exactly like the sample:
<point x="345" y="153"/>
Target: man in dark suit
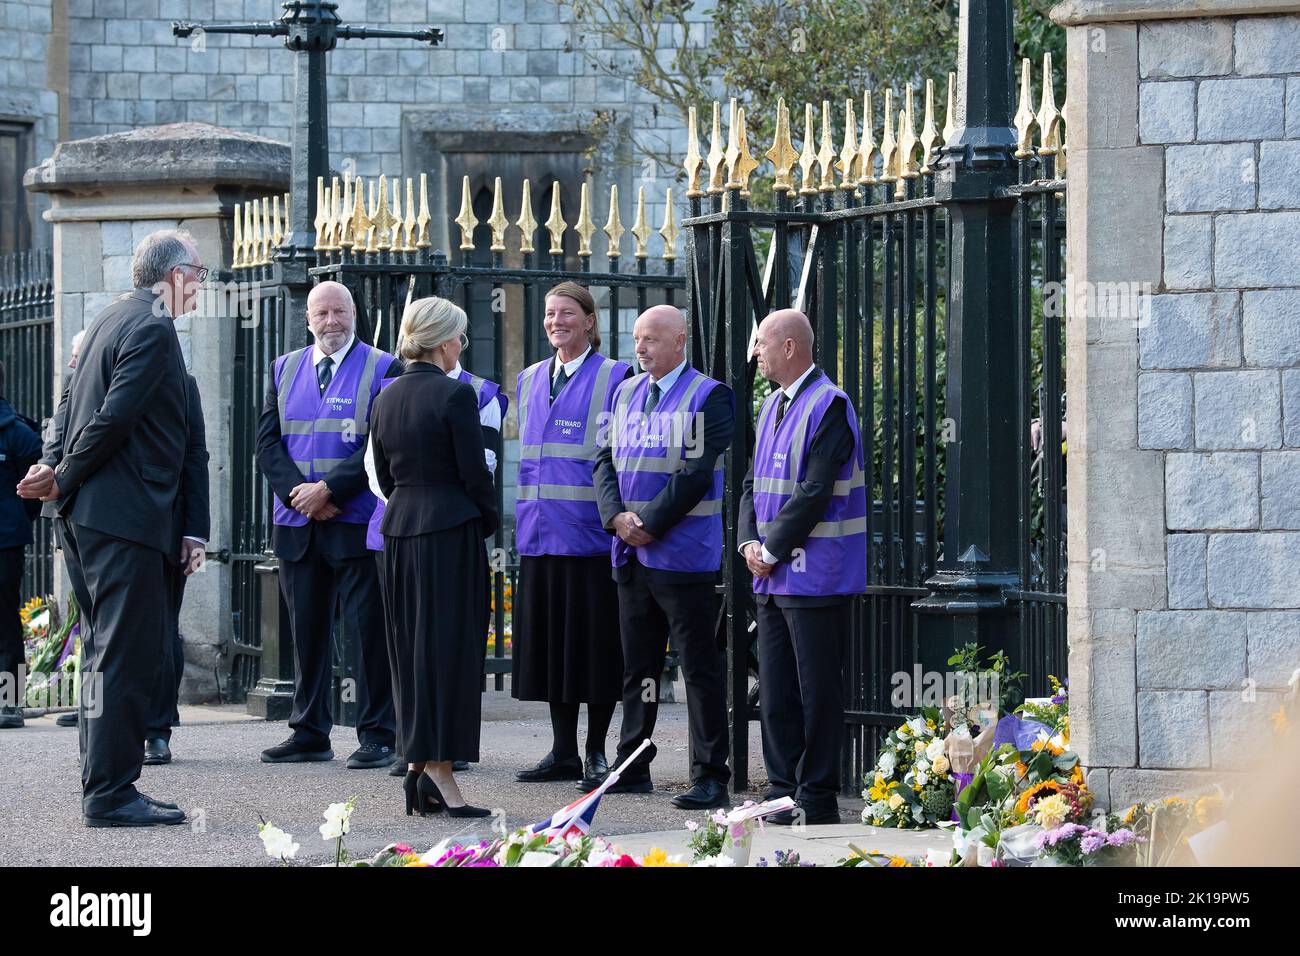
<point x="19" y="450"/>
<point x="803" y="535"/>
<point x="311" y="446"/>
<point x="112" y="464"/>
<point x="192" y="525"/>
<point x="659" y="488"/>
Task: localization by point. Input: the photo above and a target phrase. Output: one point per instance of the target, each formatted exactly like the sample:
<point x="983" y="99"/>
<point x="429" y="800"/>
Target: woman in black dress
<point x="428" y="450"/>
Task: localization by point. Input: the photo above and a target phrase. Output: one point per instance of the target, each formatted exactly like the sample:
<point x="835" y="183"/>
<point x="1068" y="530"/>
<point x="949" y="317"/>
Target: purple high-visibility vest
<point x="486" y="392"/>
<point x="834" y="558"/>
<point x="648" y="451"/>
<point x="319" y="431"/>
<point x="556" y="512"/>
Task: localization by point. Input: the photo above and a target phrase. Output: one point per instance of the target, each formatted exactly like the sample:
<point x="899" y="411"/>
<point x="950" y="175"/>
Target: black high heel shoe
<point x="464" y="810"/>
<point x="430" y="801"/>
<point x="417" y="799"/>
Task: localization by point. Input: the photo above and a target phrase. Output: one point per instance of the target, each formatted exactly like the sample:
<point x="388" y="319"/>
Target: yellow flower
<point x="1129" y="814"/>
<point x="657" y="857"/>
<point x="1207" y="807"/>
<point x="1050" y="812"/>
<point x="1022" y="805"/>
<point x="940" y="765"/>
<point x="895" y="801"/>
<point x="1076" y="775"/>
<point x="919" y="747"/>
<point x="897" y="861"/>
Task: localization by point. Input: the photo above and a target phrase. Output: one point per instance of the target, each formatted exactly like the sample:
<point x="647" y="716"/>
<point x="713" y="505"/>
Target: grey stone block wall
<point x="26" y="94"/>
<point x="1209" y="605"/>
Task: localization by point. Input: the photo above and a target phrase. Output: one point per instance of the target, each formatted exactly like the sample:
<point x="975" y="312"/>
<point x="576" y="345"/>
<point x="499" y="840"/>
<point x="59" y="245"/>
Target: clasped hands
<point x="754" y="559"/>
<point x="313" y="499"/>
<point x="39" y="482"/>
<point x="628" y="526"/>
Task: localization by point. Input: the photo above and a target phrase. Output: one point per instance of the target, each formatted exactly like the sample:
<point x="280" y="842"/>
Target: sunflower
<point x="1027" y="798"/>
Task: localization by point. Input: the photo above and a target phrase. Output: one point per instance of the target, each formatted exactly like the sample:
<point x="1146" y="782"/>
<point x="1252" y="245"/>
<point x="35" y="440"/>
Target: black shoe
<point x="551" y="769"/>
<point x="805" y="815"/>
<point x="162" y="804"/>
<point x="708" y="794"/>
<point x="419" y="798"/>
<point x="295" y="751"/>
<point x="596" y="765"/>
<point x="138" y="813"/>
<point x="464" y="810"/>
<point x="398" y="768"/>
<point x="371" y="756"/>
<point x="460" y="766"/>
<point x="156" y="751"/>
<point x="11" y="717"/>
<point x="66" y="720"/>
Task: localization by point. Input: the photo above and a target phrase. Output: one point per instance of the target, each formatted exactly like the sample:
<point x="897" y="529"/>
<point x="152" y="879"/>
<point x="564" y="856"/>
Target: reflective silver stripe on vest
<point x="827" y="529"/>
<point x="525" y="392"/>
<point x="591" y="428"/>
<point x="647" y="463"/>
<point x="786" y="486"/>
<point x="358" y="425"/>
<point x="704" y="509"/>
<point x="287" y="373"/>
<point x="556" y="493"/>
<point x="795" y="460"/>
<point x="361" y="415"/>
<point x="318" y="465"/>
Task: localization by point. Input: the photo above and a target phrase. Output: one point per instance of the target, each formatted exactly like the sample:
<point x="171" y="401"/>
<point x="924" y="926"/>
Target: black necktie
<point x="781" y="401"/>
<point x="557" y="383"/>
<point x="325" y="372"/>
<point x="652" y="399"/>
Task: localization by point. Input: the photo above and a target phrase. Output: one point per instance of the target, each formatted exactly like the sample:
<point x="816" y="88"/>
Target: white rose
<point x="888" y="763"/>
<point x="941" y="764"/>
<point x="918" y="727"/>
<point x="922" y="764"/>
<point x="895" y="801"/>
<point x="935" y="749"/>
<point x="921" y="778"/>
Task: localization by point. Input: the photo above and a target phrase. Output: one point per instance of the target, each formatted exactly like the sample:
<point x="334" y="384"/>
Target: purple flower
<point x="1066" y="831"/>
<point x="1092" y="841"/>
<point x="1121" y="838"/>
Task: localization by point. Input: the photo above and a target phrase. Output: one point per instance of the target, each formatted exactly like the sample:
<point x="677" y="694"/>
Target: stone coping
<point x="174" y="154"/>
<point x="1073" y="13"/>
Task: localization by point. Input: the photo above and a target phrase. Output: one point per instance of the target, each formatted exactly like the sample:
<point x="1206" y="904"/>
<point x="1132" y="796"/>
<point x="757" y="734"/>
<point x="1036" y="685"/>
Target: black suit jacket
<point x="428" y="448"/>
<point x="831" y="447"/>
<point x="338" y="539"/>
<point x="193" y="519"/>
<point x="119" y="438"/>
<point x="685" y="489"/>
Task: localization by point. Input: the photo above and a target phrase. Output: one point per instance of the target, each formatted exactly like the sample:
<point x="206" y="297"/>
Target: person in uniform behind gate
<point x="427" y="443"/>
<point x="659" y="485"/>
<point x="492" y="405"/>
<point x="112" y="464"/>
<point x="803" y="533"/>
<point x="311" y="445"/>
<point x="566" y="647"/>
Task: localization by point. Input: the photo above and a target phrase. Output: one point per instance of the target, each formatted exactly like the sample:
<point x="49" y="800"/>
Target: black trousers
<point x="801" y="699"/>
<point x="310" y="587"/>
<point x="649" y="610"/>
<point x="12" y="563"/>
<point x="163" y="714"/>
<point x="117" y="584"/>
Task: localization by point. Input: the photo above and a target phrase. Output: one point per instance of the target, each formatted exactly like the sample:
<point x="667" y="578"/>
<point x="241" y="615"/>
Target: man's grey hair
<point x="158" y="254"/>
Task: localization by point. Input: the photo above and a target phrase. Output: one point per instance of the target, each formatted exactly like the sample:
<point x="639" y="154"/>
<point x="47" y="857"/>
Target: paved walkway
<point x="217" y="778"/>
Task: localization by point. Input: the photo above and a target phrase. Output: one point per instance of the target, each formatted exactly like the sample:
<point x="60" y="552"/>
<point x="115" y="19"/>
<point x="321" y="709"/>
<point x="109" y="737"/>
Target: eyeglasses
<point x="200" y="272"/>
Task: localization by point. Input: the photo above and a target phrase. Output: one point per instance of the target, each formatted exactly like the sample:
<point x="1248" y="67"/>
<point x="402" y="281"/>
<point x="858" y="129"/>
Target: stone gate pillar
<point x="109" y="192"/>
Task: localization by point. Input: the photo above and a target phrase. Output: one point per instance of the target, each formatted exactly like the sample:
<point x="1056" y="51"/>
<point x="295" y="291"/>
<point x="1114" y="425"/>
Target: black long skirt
<point x="435" y="593"/>
<point x="565" y="646"/>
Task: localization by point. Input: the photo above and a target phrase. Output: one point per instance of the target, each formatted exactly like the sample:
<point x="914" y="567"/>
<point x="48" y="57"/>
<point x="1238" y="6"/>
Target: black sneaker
<point x="11" y="717"/>
<point x="295" y="751"/>
<point x="371" y="757"/>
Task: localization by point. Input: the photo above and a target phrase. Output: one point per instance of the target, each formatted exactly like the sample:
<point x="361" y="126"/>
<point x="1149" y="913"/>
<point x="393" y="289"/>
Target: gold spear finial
<point x="526" y="222"/>
<point x="372" y="245"/>
<point x="466" y="219"/>
<point x="383" y="219"/>
<point x="849" y="154"/>
<point x="826" y="155"/>
<point x="715" y="157"/>
<point x="423" y="219"/>
<point x="669" y="229"/>
<point x="693" y="162"/>
<point x="1024" y="114"/>
<point x="1048" y="116"/>
<point x="584" y="227"/>
<point x="287" y="228"/>
<point x="888" y="145"/>
<point x="745" y="161"/>
<point x="950" y="123"/>
<point x="556" y="224"/>
<point x="808" y="156"/>
<point x="246" y="257"/>
<point x="360" y="221"/>
<point x="266" y="232"/>
<point x="277" y="235"/>
<point x="255" y="235"/>
<point x="907" y="139"/>
<point x="640" y="227"/>
<point x="237" y="240"/>
<point x="412" y="224"/>
<point x="322" y="217"/>
<point x="614" y="224"/>
<point x="498" y="222"/>
<point x="343" y="215"/>
<point x="399" y="227"/>
<point x="782" y="153"/>
<point x="867" y="151"/>
<point x="929" y="132"/>
<point x="733" y="146"/>
<point x="332" y="217"/>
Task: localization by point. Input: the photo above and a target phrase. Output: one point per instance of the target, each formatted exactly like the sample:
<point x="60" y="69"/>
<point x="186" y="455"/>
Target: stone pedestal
<point x="106" y="194"/>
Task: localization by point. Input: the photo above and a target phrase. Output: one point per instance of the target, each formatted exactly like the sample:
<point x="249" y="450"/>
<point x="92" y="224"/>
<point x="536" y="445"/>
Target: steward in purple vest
<point x="311" y="447"/>
<point x="659" y="479"/>
<point x="803" y="533"/>
<point x="566" y="650"/>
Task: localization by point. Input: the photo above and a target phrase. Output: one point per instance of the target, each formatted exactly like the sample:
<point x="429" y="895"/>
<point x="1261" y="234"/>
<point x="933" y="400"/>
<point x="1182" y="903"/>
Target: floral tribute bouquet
<point x="51" y="646"/>
<point x="521" y="848"/>
<point x="730" y="833"/>
<point x="912" y="784"/>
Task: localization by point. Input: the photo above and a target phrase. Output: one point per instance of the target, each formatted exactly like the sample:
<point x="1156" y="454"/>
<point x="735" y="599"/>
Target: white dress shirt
<point x="317" y="356"/>
<point x="791" y="391"/>
<point x="669" y="380"/>
<point x="570" y="368"/>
